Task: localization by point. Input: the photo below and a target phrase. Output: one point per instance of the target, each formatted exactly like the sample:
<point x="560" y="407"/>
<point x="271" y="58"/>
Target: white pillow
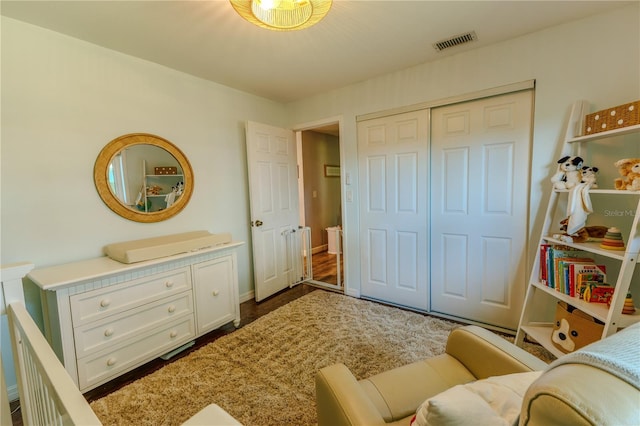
<point x="491" y="401"/>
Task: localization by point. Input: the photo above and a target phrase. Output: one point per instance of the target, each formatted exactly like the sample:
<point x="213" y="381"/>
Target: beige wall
<point x="64" y="99"/>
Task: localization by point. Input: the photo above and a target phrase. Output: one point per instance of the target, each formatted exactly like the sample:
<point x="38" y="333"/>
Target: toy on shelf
<point x="613" y="240"/>
<point x="589" y="176"/>
<point x="628" y="308"/>
<point x="584" y="235"/>
<point x="154" y="190"/>
<point x="569" y="172"/>
<point x="629" y="169"/>
<point x="595" y="292"/>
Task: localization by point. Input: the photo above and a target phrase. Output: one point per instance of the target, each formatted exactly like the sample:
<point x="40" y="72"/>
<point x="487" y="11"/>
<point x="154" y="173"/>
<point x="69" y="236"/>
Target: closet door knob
<point x="216" y="292"/>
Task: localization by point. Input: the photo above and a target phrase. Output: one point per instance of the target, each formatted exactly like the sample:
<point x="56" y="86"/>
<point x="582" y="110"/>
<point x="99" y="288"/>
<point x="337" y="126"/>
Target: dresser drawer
<point x="99" y="335"/>
<point x="96" y="304"/>
<point x="103" y="366"/>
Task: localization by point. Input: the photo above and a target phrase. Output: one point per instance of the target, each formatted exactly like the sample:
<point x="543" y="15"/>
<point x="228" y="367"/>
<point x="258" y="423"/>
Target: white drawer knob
<point x="173" y="334"/>
<point x="111" y="361"/>
<point x="108" y="332"/>
<point x="216" y="292"/>
<point x="172" y="308"/>
<point x="169" y="284"/>
<point x="105" y="302"/>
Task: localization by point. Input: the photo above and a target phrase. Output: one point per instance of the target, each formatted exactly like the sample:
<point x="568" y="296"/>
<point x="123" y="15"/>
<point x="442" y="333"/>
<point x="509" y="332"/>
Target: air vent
<point x="455" y="41"/>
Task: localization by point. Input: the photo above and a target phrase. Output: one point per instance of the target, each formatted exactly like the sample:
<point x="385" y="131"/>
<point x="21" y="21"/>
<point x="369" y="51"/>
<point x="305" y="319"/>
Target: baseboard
<point x="247" y="296"/>
<point x="319" y="249"/>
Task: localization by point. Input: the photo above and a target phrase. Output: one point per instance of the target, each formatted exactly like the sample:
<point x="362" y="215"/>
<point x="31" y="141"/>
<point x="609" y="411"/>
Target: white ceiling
<point x="356" y="41"/>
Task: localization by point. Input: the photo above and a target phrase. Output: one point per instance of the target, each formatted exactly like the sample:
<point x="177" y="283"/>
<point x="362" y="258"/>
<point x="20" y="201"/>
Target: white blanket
<point x="618" y="354"/>
<point x="578" y="207"/>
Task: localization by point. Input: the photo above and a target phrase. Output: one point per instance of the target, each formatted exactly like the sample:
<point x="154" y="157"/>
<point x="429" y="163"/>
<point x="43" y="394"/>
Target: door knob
<point x="258" y="223"/>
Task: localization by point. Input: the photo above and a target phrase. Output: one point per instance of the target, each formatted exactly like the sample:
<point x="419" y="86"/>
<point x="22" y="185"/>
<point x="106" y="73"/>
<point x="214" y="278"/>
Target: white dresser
<point x="104" y="318"/>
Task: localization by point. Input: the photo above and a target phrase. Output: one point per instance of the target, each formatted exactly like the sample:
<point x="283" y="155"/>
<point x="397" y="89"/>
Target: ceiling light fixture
<point x="282" y="15"/>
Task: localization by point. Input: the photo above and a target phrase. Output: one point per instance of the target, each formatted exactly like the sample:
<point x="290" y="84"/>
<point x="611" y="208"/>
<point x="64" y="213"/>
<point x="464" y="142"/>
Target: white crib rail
<point x="48" y="396"/>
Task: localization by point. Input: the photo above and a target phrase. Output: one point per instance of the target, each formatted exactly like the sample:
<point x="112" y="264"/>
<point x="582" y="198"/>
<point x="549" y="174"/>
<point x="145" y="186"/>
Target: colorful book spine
<point x="558" y="252"/>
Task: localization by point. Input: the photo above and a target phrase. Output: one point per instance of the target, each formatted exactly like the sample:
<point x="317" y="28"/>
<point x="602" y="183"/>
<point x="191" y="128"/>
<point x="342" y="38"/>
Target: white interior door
<point x="271" y="154"/>
<point x="479" y="214"/>
<point x="393" y="159"/>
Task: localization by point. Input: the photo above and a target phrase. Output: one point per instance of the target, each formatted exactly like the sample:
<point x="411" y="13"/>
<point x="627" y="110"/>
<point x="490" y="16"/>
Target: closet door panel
<point x="393" y="163"/>
<point x="480" y="196"/>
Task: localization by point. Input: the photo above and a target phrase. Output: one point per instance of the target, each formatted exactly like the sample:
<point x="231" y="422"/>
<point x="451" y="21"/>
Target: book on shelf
<point x="552" y="255"/>
<point x="561" y="271"/>
<point x="588" y="271"/>
<point x="544" y="253"/>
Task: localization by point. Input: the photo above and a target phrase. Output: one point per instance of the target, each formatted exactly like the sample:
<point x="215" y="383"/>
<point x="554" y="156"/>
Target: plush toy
<point x="589" y="176"/>
<point x="153" y="190"/>
<point x="584" y="235"/>
<point x="569" y="173"/>
<point x="629" y="168"/>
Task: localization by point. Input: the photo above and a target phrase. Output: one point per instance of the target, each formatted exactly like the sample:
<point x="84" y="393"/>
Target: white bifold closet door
<point x="393" y="171"/>
<point x="479" y="208"/>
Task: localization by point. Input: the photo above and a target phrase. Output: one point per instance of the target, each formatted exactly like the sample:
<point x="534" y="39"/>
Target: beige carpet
<point x="263" y="373"/>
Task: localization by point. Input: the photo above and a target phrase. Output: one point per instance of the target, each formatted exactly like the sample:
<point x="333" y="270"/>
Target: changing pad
<point x="153" y="248"/>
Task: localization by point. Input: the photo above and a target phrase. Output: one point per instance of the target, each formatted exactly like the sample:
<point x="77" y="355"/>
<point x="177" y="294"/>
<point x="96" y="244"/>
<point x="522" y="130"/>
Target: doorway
<point x="320" y="198"/>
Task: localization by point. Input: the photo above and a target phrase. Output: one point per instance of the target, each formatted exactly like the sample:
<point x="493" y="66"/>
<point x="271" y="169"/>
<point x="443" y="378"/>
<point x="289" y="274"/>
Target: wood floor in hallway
<point x="325" y="267"/>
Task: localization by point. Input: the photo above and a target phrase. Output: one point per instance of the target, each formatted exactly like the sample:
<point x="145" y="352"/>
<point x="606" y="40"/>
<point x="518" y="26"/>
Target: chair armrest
<point x="487" y="354"/>
<point x="340" y="399"/>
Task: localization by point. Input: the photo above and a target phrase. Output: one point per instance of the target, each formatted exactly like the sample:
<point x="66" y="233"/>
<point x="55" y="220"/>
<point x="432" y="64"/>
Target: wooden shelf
<point x="605" y="191"/>
<point x="596" y="310"/>
<point x="542" y="334"/>
<point x="537" y="327"/>
<point x="591" y="248"/>
<point x="603" y="135"/>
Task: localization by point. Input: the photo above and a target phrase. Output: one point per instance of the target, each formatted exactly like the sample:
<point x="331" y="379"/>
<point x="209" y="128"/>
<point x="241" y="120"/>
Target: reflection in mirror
<point x="146" y="178"/>
<point x="143" y="177"/>
<point x="117" y="178"/>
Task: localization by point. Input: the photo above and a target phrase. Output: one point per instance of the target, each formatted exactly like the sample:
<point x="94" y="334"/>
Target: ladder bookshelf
<point x="536" y="324"/>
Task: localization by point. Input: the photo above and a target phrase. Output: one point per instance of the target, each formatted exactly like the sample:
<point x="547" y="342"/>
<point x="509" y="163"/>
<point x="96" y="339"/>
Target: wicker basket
<point x="166" y="170"/>
<point x="612" y="118"/>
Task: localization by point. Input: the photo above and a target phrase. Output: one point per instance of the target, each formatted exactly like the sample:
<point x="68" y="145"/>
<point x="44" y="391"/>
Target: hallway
<point x="324" y="268"/>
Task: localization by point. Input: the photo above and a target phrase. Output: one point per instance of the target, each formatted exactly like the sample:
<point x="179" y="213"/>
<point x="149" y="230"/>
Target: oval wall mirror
<point x="143" y="177"/>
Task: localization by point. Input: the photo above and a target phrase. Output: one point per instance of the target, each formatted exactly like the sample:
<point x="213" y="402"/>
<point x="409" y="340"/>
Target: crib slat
<point x="47" y="393"/>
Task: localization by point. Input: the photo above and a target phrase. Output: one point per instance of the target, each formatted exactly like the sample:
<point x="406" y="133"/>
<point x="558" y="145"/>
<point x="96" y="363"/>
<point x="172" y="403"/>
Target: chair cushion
<point x="492" y="401"/>
<point x="396" y="393"/>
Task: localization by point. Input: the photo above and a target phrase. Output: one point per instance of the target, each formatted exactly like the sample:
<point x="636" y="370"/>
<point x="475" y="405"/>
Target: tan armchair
<point x="567" y="394"/>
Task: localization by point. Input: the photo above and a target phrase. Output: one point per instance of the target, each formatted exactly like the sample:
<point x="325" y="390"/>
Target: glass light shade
<point x="282" y="15"/>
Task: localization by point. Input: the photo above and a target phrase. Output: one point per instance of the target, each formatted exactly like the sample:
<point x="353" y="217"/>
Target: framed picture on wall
<point x="331" y="171"/>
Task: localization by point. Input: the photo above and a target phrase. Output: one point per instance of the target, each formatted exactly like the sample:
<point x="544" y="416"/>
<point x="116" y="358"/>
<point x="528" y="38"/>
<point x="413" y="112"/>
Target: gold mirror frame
<point x="101" y="169"/>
